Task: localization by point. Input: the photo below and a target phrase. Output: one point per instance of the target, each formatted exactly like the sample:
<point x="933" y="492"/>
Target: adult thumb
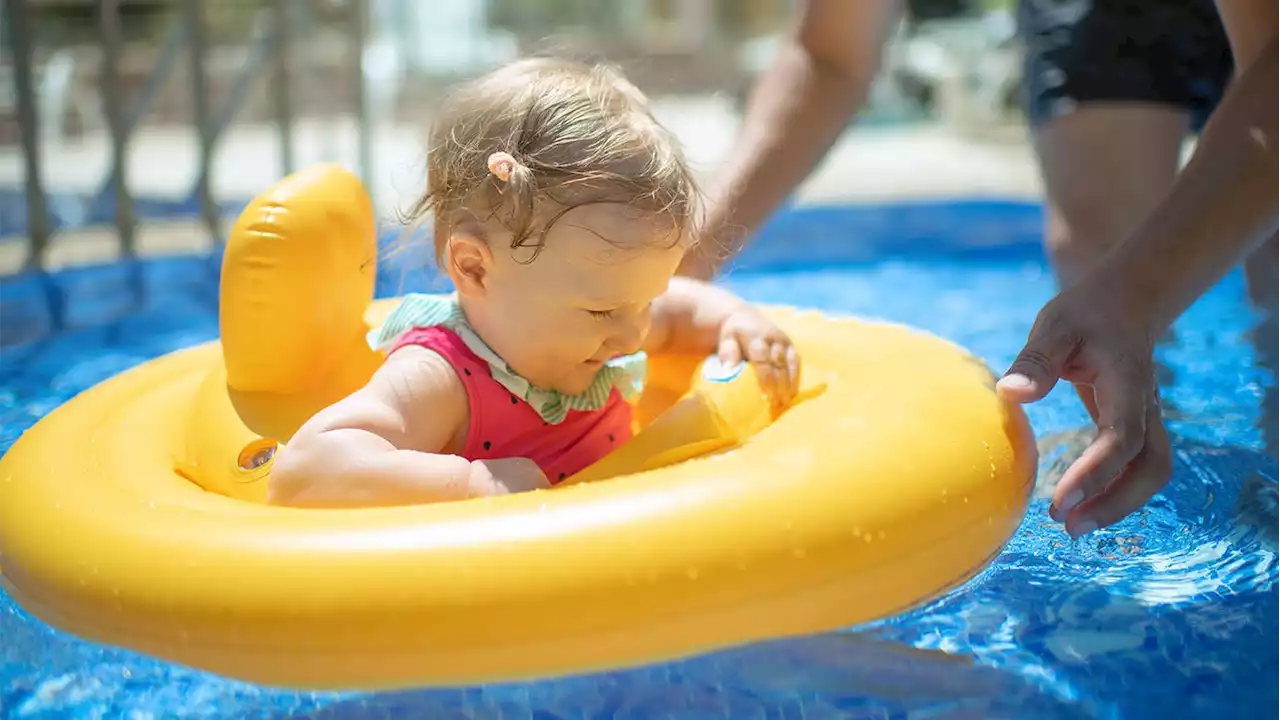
<point x="1040" y="364"/>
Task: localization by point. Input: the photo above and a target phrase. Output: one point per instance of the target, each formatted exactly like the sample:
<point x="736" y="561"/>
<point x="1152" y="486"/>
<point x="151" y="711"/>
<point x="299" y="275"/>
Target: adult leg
<point x="1112" y="89"/>
<point x="1105" y="166"/>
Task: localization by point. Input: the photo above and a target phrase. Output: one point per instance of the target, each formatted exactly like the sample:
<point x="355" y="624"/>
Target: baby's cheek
<point x="581" y="347"/>
<point x="556" y="347"/>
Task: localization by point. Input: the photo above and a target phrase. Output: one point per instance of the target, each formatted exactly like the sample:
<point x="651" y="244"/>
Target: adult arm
<point x="818" y="80"/>
<point x="1100" y="332"/>
<point x="1222" y="207"/>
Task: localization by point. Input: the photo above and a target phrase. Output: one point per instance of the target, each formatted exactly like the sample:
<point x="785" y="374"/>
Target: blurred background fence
<point x="178" y="111"/>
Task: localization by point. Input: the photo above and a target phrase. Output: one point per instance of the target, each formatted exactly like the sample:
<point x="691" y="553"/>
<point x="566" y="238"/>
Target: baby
<point x="561" y="212"/>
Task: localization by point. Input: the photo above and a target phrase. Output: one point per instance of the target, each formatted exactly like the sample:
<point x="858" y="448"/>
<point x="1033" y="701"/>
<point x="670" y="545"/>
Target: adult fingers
<point x="1142" y="479"/>
<point x="1088" y="399"/>
<point x="1123" y="394"/>
<point x="1037" y="368"/>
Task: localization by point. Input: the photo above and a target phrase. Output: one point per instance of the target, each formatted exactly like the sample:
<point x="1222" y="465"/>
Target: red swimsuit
<point x="505" y="426"/>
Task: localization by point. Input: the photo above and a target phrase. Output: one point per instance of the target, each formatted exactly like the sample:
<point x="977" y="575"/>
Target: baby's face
<point x="585" y="298"/>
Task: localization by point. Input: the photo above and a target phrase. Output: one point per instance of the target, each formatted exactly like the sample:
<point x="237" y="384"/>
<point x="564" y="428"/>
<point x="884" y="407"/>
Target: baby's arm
<point x="382" y="445"/>
<point x="688" y="317"/>
<point x="695" y="317"/>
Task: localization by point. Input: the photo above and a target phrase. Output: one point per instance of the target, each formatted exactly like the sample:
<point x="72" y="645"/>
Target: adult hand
<point x="1100" y="339"/>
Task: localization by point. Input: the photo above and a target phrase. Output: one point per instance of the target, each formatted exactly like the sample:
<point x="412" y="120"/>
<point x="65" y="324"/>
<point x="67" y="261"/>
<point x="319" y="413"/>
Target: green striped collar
<point x="625" y="373"/>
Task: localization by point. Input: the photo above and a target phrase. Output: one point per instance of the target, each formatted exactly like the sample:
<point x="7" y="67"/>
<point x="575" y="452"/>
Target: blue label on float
<point x="716" y="371"/>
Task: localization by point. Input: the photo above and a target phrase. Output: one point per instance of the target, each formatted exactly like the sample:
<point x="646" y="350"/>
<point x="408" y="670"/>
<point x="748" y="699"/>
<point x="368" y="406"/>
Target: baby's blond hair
<point x="578" y="135"/>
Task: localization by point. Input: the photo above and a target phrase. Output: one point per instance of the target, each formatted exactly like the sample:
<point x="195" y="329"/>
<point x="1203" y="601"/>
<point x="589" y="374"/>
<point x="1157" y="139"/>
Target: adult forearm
<point x="796" y="113"/>
<point x="1223" y="204"/>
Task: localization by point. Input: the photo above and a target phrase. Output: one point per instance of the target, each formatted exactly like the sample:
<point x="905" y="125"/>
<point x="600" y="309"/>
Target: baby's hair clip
<point x="501" y="164"/>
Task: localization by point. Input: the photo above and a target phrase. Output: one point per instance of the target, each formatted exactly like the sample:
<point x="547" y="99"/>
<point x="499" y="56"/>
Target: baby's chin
<point x="575" y="381"/>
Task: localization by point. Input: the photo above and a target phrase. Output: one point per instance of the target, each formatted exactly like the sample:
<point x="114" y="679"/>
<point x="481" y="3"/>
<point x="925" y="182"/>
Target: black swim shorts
<point x="1166" y="52"/>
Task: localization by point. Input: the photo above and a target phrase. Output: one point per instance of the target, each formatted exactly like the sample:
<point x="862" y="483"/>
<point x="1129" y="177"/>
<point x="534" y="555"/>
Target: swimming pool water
<point x="1172" y="613"/>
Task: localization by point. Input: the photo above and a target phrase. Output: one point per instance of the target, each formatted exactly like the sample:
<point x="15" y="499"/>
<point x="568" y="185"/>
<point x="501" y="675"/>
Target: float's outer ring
<point x="902" y="479"/>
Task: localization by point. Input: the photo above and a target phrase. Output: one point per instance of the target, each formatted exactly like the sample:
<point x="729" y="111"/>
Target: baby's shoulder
<point x="422" y="386"/>
<point x="417" y="373"/>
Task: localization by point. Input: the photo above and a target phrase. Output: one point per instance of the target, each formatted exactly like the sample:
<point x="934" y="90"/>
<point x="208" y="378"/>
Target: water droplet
<point x="692" y="573"/>
<point x="799" y="552"/>
<point x="880" y="534"/>
<point x="966" y="499"/>
<point x="867" y="537"/>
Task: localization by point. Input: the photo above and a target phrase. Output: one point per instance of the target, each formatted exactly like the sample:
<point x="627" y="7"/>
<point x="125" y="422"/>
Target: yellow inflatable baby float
<point x="133" y="514"/>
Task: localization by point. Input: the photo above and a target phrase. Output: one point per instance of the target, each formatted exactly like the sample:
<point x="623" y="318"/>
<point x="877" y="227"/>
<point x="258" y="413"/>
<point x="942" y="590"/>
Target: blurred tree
<point x="230" y="22"/>
<point x="746" y="19"/>
<point x="67" y="23"/>
<point x="536" y="18"/>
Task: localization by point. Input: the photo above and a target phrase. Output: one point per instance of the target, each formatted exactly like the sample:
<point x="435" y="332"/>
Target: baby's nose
<point x="629" y="337"/>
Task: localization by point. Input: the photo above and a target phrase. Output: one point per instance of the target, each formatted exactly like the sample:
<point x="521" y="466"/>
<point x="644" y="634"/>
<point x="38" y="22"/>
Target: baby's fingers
<point x="791" y="361"/>
<point x="729" y="352"/>
<point x="784" y="364"/>
<point x="758" y="353"/>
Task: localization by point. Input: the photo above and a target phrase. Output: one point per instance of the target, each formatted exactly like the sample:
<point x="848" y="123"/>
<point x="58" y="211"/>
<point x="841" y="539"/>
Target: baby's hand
<point x="506" y="476"/>
<point x="748" y="334"/>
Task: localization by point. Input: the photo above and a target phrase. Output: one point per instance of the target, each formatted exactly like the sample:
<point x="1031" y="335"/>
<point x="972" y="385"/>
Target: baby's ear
<point x="468" y="260"/>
